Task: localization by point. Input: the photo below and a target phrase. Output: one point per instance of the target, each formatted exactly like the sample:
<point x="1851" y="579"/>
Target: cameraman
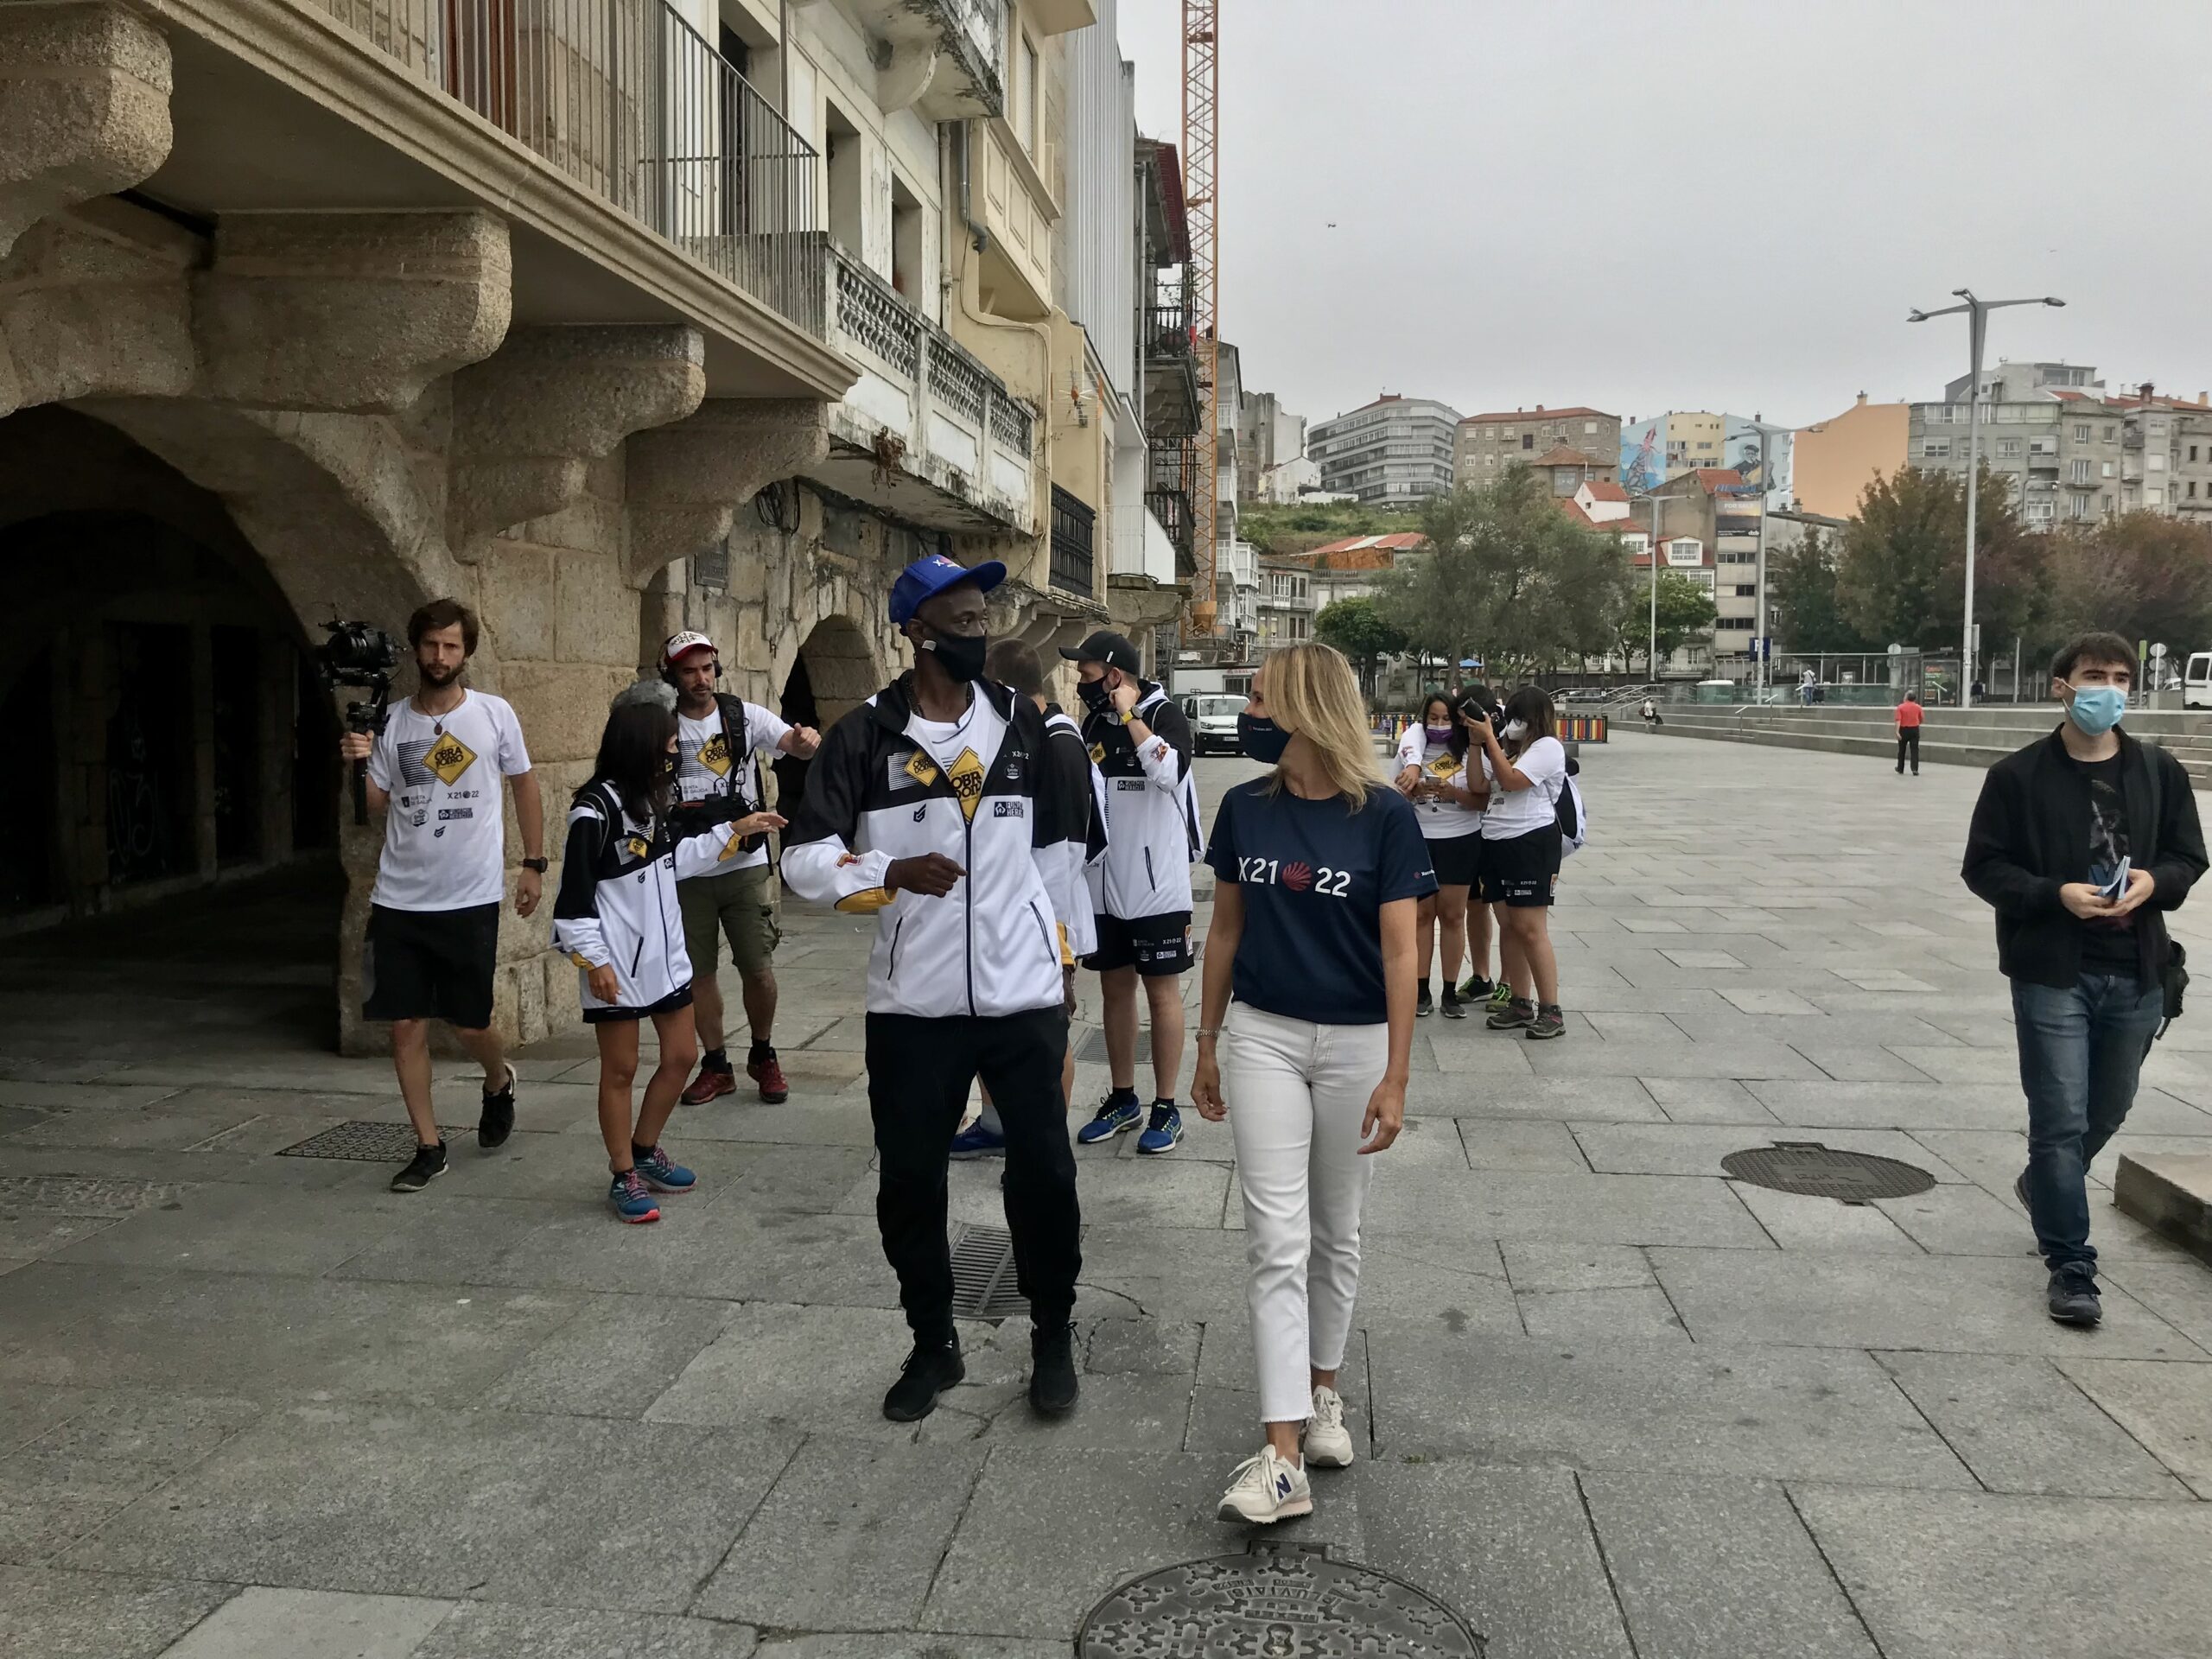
<point x="434" y="913"/>
<point x="718" y="738"/>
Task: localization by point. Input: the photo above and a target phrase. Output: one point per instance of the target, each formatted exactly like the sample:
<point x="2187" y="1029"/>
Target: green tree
<point x="1509" y="577"/>
<point x="1803" y="606"/>
<point x="1358" y="628"/>
<point x="1686" y="612"/>
<point x="1902" y="576"/>
<point x="2143" y="576"/>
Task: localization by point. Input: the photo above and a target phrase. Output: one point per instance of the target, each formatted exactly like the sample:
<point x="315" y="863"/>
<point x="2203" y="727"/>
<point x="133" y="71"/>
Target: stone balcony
<point x="927" y="432"/>
<point x="943" y="57"/>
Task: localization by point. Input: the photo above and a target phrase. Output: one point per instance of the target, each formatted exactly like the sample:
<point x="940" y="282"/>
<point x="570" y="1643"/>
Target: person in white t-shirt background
<point x="1526" y="766"/>
<point x="435" y="772"/>
<point x="1433" y="775"/>
<point x="719" y="740"/>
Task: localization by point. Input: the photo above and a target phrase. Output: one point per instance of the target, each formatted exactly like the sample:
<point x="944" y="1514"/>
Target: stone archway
<point x="832" y="673"/>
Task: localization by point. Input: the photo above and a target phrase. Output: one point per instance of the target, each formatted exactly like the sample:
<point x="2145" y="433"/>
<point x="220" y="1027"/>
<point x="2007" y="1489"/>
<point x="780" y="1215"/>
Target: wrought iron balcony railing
<point x="629" y="100"/>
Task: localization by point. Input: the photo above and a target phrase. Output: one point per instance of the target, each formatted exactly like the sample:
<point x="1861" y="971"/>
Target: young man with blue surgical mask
<point x="2082" y="842"/>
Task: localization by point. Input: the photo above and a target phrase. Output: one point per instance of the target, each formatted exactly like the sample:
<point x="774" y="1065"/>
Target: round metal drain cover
<point x="1280" y="1601"/>
<point x="1826" y="1173"/>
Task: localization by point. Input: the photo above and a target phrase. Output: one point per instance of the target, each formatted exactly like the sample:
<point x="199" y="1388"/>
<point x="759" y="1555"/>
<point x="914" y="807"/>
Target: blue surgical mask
<point x="1262" y="739"/>
<point x="2097" y="708"/>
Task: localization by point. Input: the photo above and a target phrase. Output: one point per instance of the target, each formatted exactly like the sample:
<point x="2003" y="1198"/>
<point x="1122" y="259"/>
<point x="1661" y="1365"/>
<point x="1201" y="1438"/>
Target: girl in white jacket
<point x="617" y="918"/>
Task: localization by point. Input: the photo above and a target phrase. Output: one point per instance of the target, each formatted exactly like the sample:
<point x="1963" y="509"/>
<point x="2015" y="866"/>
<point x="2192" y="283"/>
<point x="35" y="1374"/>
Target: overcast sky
<point x="1646" y="205"/>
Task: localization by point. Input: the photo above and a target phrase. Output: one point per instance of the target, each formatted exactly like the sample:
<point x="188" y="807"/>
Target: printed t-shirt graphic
<point x="444" y="845"/>
<point x="705" y="767"/>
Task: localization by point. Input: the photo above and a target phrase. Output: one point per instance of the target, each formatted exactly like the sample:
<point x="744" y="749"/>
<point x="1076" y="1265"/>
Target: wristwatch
<point x="539" y="864"/>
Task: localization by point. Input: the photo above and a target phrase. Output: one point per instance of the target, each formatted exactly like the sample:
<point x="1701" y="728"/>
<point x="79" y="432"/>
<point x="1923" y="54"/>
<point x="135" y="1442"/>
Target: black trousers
<point x="917" y="1075"/>
<point x="1909" y="738"/>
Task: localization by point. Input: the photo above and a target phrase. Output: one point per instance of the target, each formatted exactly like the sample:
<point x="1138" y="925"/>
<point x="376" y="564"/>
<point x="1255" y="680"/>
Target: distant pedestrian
<point x="1807" y="683"/>
<point x="1526" y="767"/>
<point x="2082" y="842"/>
<point x="1433" y="775"/>
<point x="1909" y="716"/>
<point x="1650" y="713"/>
<point x="1319" y="874"/>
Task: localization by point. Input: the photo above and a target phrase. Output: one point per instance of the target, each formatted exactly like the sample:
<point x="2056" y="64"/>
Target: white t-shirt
<point x="1440" y="820"/>
<point x="964" y="748"/>
<point x="1516" y="811"/>
<point x="703" y="763"/>
<point x="445" y="834"/>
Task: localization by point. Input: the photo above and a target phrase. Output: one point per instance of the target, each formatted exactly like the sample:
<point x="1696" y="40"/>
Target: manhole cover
<point x="983" y="1275"/>
<point x="1824" y="1172"/>
<point x="1280" y="1601"/>
<point x="1093" y="1051"/>
<point x="369" y="1143"/>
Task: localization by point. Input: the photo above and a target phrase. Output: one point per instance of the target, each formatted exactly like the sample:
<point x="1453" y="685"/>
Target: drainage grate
<point x="983" y="1275"/>
<point x="368" y="1142"/>
<point x="1093" y="1049"/>
<point x="1279" y="1601"/>
<point x="1824" y="1172"/>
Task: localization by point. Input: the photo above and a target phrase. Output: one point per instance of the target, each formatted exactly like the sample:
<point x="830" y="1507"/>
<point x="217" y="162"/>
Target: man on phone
<point x="719" y="738"/>
<point x="2082" y="842"/>
<point x="433" y="940"/>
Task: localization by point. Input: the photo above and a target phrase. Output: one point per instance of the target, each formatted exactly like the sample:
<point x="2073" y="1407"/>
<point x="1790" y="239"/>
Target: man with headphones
<point x="718" y="737"/>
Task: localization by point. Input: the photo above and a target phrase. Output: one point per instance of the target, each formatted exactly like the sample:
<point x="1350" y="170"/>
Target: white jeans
<point x="1297" y="1093"/>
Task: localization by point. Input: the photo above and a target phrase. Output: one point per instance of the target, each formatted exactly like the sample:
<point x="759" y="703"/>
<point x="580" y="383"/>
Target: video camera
<point x="356" y="654"/>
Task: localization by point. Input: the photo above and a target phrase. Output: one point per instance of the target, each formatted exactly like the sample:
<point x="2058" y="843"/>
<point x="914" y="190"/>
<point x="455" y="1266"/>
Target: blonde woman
<point x="1321" y="870"/>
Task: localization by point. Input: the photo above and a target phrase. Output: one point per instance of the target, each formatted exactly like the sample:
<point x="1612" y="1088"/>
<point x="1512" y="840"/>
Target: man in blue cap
<point x="930" y="806"/>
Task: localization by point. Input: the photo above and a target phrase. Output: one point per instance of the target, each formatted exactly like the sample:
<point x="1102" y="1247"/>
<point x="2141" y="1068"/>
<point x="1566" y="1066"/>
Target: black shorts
<point x="1456" y="858"/>
<point x="1522" y="872"/>
<point x="430" y="964"/>
<point x="678" y="998"/>
<point x="1156" y="946"/>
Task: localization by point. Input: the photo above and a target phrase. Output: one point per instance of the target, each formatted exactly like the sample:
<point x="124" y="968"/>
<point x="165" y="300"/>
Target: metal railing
<point x="628" y="99"/>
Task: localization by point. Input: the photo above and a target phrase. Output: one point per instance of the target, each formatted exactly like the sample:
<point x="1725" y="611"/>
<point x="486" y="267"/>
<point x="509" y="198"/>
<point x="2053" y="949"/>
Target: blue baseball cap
<point x="924" y="579"/>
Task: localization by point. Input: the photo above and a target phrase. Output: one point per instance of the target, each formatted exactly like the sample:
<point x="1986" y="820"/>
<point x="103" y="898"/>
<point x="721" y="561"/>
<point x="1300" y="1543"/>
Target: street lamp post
<point x="1651" y="651"/>
<point x="1977" y="313"/>
<point x="1762" y="667"/>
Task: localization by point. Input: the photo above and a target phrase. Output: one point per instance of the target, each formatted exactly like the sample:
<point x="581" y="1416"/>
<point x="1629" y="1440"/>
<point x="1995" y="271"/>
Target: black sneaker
<point x="931" y="1369"/>
<point x="2020" y="1191"/>
<point x="1475" y="989"/>
<point x="429" y="1163"/>
<point x="1512" y="1016"/>
<point x="1548" y="1023"/>
<point x="498" y="1120"/>
<point x="2074" y="1297"/>
<point x="1451" y="1008"/>
<point x="1424" y="1004"/>
<point x="1052" y="1387"/>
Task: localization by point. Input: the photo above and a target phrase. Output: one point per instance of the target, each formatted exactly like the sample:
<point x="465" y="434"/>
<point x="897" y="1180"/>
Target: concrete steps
<point x="2171" y="1193"/>
<point x="1976" y="737"/>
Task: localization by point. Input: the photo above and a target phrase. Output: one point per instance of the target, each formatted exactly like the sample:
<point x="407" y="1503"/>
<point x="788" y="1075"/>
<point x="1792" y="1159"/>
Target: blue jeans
<point x="2082" y="1051"/>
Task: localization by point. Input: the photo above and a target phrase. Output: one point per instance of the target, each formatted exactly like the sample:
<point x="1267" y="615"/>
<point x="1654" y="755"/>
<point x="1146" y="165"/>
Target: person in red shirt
<point x="1910" y="715"/>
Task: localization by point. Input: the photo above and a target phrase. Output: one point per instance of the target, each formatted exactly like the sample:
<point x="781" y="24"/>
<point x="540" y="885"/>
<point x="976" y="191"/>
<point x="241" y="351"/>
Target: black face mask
<point x="1260" y="738"/>
<point x="961" y="655"/>
<point x="1096" y="695"/>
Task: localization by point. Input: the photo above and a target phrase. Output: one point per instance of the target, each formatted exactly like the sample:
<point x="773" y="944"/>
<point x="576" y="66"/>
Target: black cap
<point x="1106" y="647"/>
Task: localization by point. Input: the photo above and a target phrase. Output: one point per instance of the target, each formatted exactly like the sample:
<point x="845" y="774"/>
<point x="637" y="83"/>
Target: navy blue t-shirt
<point x="1315" y="875"/>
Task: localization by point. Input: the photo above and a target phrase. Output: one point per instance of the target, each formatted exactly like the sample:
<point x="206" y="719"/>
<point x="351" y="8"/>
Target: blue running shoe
<point x="630" y="1200"/>
<point x="1165" y="1129"/>
<point x="1117" y="1117"/>
<point x="976" y="1142"/>
<point x="664" y="1174"/>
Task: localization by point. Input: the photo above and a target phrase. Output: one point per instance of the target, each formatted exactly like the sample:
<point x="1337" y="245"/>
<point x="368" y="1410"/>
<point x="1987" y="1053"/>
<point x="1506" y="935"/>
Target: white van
<point x="2196" y="680"/>
<point x="1213" y="721"/>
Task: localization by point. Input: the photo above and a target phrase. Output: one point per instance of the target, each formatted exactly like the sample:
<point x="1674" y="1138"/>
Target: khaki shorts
<point x="740" y="905"/>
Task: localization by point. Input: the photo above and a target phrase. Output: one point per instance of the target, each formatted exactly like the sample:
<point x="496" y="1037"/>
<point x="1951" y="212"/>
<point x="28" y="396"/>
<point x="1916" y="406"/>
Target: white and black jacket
<point x="993" y="946"/>
<point x="617" y="903"/>
<point x="1082" y="800"/>
<point x="1152" y="809"/>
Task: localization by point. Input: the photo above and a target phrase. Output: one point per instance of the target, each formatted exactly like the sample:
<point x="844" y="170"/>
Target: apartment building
<point x="1269" y="437"/>
<point x="2007" y="382"/>
<point x="1483" y="444"/>
<point x="2060" y="460"/>
<point x="354" y="306"/>
<point x="1284" y="606"/>
<point x="1395" y="452"/>
<point x="1708" y="529"/>
<point x="1834" y="460"/>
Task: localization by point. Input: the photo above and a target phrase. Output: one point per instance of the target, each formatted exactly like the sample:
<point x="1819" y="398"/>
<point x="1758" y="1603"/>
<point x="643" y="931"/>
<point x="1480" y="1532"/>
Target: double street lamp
<point x="1977" y="313"/>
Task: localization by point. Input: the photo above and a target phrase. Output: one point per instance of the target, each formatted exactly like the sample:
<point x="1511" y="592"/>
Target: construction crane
<point x="1201" y="149"/>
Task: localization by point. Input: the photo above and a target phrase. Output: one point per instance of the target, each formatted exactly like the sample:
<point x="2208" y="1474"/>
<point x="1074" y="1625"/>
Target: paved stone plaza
<point x="1609" y="1402"/>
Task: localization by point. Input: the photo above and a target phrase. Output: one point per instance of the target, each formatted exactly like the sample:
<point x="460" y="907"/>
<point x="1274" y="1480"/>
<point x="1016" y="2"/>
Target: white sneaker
<point x="1267" y="1489"/>
<point x="1328" y="1442"/>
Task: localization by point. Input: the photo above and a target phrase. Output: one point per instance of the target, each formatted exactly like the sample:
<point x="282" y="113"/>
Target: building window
<point x="2192" y="452"/>
<point x="2111" y="432"/>
<point x="2155" y="463"/>
<point x="1505" y="434"/>
<point x="2082" y="432"/>
<point x="1527" y="441"/>
<point x="2008" y="448"/>
<point x="1074" y="566"/>
<point x="2154" y="497"/>
<point x="1589" y="428"/>
<point x="1935" y="449"/>
<point x="1025" y="95"/>
<point x="2080" y="505"/>
<point x="2079" y="472"/>
<point x="2192" y="489"/>
<point x="2107" y="469"/>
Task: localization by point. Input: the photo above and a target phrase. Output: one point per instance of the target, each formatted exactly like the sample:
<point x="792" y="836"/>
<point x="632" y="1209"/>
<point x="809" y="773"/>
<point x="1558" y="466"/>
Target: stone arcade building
<point x="326" y="307"/>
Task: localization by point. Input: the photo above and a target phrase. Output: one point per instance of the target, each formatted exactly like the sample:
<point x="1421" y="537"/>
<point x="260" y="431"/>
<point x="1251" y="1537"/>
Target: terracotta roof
<point x="1568" y="456"/>
<point x="1362" y="552"/>
<point x="1712" y="478"/>
<point x="1540" y="414"/>
<point x="1605" y="489"/>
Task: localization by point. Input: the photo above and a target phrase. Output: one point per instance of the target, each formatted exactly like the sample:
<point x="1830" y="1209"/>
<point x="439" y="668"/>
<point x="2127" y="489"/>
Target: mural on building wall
<point x="1744" y="448"/>
<point x="1642" y="455"/>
